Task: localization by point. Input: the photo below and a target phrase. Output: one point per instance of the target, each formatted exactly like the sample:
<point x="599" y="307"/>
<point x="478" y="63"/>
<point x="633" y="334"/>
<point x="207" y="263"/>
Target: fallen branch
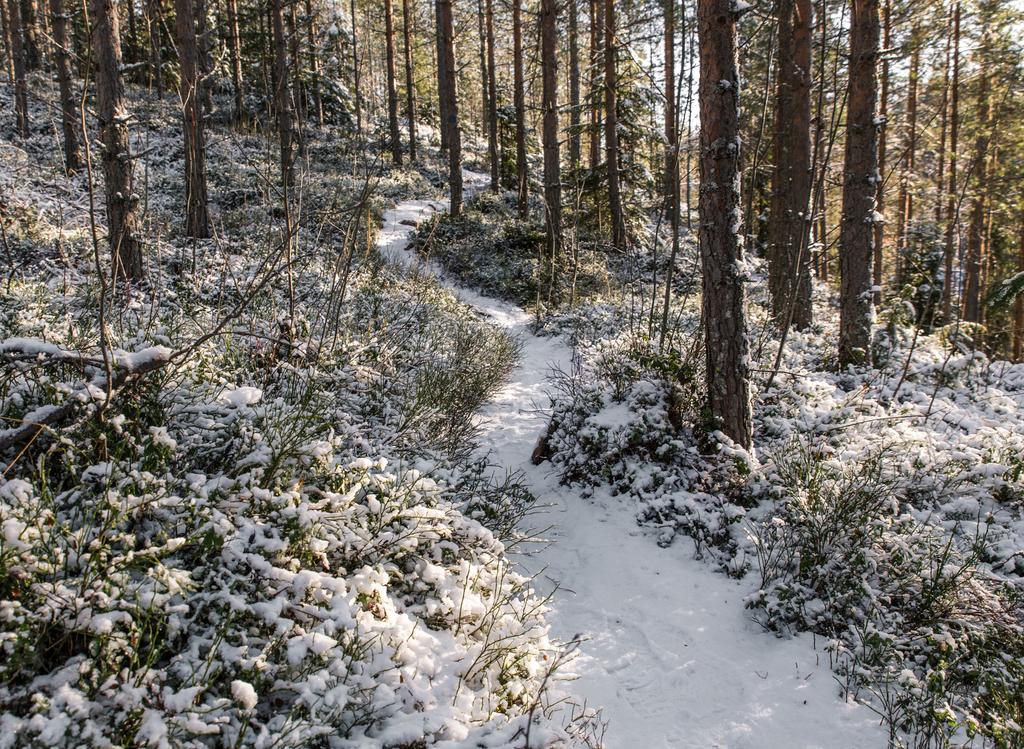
<point x="125" y="366"/>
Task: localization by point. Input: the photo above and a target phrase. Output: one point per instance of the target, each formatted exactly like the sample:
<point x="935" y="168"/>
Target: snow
<point x="243" y="396"/>
<point x="670" y="655"/>
<point x="244" y="694"/>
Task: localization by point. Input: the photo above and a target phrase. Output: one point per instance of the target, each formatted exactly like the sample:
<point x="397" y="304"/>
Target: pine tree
<point x="789" y="220"/>
<point x="121" y="201"/>
<point x="552" y="166"/>
<point x="197" y="217"/>
<point x="726" y="344"/>
<point x="860" y="175"/>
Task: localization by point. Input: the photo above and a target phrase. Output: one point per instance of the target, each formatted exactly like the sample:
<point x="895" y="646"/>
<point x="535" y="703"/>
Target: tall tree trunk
<point x="281" y="96"/>
<point x="8" y="54"/>
<point x="940" y="171"/>
<point x="410" y="82"/>
<point x="860" y="172"/>
<point x="156" y="63"/>
<point x="197" y="217"/>
<point x="979" y="205"/>
<point x="482" y="36"/>
<point x="355" y="69"/>
<point x="878" y="261"/>
<point x="952" y="209"/>
<point x="573" y="10"/>
<point x="314" y="62"/>
<point x="205" y="56"/>
<point x="121" y="202"/>
<point x="905" y="201"/>
<point x="70" y="116"/>
<point x="393" y="129"/>
<point x="671" y="118"/>
<point x="30" y="34"/>
<point x="298" y="88"/>
<point x="596" y="85"/>
<point x="611" y="128"/>
<point x="789" y="268"/>
<point x="132" y="53"/>
<point x="18" y="55"/>
<point x="235" y="56"/>
<point x="519" y="102"/>
<point x="719" y="205"/>
<point x="492" y="96"/>
<point x="1018" y="305"/>
<point x="552" y="171"/>
<point x="451" y="108"/>
<point x="442" y="74"/>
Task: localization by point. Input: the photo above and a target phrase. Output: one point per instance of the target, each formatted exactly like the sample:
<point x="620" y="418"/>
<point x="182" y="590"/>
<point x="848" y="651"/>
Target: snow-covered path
<point x="671" y="656"/>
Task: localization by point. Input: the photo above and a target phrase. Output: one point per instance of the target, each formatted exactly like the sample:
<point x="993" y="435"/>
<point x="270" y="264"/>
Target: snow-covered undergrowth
<point x="491" y="249"/>
<point x="890" y="524"/>
<point x="252" y="518"/>
<point x="883" y="508"/>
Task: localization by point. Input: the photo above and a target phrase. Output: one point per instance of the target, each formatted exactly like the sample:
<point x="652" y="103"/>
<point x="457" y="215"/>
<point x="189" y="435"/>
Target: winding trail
<point x="671" y="657"/>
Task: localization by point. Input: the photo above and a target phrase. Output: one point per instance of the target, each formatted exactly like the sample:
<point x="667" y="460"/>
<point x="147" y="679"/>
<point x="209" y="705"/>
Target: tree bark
<point x="611" y="129"/>
<point x="281" y="97"/>
<point x="70" y="115"/>
<point x="719" y="206"/>
<point x="596" y="85"/>
<point x="860" y="180"/>
<point x="492" y="96"/>
<point x="1018" y="305"/>
<point x="197" y="217"/>
<point x="355" y="69"/>
<point x="482" y="36"/>
<point x="314" y="62"/>
<point x="905" y="200"/>
<point x="789" y="267"/>
<point x="952" y="205"/>
<point x="121" y="202"/>
<point x="410" y="82"/>
<point x="132" y="53"/>
<point x="393" y="129"/>
<point x="574" y="85"/>
<point x="18" y="55"/>
<point x="979" y="205"/>
<point x="552" y="171"/>
<point x="442" y="74"/>
<point x="30" y="34"/>
<point x="451" y="108"/>
<point x="204" y="57"/>
<point x="155" y="55"/>
<point x="940" y="171"/>
<point x="235" y="56"/>
<point x="298" y="86"/>
<point x="519" y="102"/>
<point x="878" y="262"/>
<point x="671" y="178"/>
<point x="8" y="54"/>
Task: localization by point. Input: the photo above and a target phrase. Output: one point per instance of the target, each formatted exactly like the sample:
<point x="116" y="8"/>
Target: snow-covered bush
<point x="251" y="516"/>
<point x="351" y="601"/>
<point x="491" y="249"/>
<point x="913" y="616"/>
<point x="882" y="508"/>
<point x="632" y="418"/>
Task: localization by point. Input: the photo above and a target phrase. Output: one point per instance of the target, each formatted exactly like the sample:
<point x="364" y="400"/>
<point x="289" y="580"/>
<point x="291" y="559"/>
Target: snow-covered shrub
<point x="266" y="530"/>
<point x="912" y="616"/>
<point x="354" y="603"/>
<point x="491" y="249"/>
<point x="631" y="418"/>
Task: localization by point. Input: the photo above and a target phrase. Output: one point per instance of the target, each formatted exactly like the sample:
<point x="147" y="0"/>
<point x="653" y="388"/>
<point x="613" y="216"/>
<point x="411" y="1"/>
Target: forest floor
<point x="669" y="654"/>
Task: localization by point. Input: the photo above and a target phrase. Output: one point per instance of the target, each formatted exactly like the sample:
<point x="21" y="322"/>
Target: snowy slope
<point x="670" y="656"/>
